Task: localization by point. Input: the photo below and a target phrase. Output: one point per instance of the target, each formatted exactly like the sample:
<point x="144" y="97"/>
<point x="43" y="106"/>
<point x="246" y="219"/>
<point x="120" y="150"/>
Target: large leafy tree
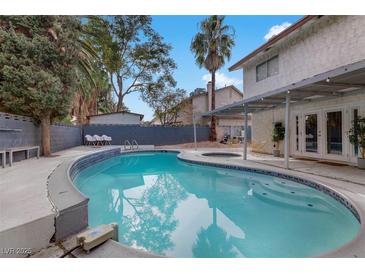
<point x="40" y="57"/>
<point x="167" y="104"/>
<point x="134" y="55"/>
<point x="211" y="47"/>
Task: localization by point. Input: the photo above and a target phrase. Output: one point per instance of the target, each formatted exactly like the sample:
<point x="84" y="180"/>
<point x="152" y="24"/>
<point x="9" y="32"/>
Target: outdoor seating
<point x="99" y="140"/>
<point x="27" y="150"/>
<point x="107" y="139"/>
<point x="89" y="140"/>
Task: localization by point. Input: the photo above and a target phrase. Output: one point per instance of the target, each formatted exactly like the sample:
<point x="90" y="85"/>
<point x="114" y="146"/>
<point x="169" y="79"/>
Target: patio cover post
<point x="194" y="124"/>
<point x="286" y="142"/>
<point x="245" y="134"/>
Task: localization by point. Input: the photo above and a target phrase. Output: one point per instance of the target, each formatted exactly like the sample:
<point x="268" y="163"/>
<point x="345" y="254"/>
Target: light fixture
<point x="288" y="91"/>
<point x="328" y="80"/>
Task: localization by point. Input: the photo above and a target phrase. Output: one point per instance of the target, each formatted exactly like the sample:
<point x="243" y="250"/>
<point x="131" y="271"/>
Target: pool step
<point x="295" y="200"/>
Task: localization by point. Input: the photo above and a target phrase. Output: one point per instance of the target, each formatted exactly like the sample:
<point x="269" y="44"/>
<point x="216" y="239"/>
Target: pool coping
<point x="71" y="205"/>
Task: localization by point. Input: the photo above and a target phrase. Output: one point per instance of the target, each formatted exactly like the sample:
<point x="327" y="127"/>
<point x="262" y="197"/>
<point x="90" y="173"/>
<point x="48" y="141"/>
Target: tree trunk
<point x="120" y="103"/>
<point x="213" y="130"/>
<point x="46" y="134"/>
<point x="120" y="94"/>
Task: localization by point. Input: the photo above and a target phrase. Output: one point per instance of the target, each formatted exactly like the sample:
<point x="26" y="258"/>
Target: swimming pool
<point x="169" y="207"/>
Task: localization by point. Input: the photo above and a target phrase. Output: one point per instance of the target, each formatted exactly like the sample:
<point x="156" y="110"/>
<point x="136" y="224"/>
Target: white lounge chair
<point x="99" y="140"/>
<point x="107" y="139"/>
<point x="89" y="140"/>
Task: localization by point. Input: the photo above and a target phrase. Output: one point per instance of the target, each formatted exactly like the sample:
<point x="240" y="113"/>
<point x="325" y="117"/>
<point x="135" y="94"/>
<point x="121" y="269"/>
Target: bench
<point x="3" y="157"/>
<point x="16" y="149"/>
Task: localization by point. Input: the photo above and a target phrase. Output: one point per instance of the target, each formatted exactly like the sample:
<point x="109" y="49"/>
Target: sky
<point x="178" y="31"/>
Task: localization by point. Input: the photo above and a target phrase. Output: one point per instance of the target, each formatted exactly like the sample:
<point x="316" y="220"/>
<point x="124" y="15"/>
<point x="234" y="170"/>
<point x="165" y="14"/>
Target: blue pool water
<point x="169" y="207"/>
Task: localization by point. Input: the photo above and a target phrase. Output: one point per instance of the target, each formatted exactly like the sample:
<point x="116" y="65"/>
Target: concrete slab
<point x="26" y="213"/>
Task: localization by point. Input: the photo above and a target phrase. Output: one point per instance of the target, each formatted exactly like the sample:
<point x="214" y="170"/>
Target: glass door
<point x="312" y="133"/>
<point x="334" y="130"/>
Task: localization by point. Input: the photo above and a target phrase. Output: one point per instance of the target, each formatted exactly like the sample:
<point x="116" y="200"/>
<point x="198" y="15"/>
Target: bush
<point x="357" y="135"/>
<point x="278" y="133"/>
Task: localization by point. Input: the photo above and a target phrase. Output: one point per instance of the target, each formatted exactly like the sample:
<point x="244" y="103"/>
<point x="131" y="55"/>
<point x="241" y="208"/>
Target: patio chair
<point x="99" y="140"/>
<point x="89" y="140"/>
<point x="107" y="139"/>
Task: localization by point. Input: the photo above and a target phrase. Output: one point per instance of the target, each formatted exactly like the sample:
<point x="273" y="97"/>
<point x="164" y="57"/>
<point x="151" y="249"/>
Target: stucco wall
<point x="330" y="42"/>
<point x="199" y="104"/>
<point x="262" y="122"/>
<point x="226" y="97"/>
<point x="115" y="119"/>
<point x="185" y="114"/>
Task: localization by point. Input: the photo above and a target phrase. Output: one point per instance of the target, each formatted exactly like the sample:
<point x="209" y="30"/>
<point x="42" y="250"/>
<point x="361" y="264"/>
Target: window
<point x="267" y="69"/>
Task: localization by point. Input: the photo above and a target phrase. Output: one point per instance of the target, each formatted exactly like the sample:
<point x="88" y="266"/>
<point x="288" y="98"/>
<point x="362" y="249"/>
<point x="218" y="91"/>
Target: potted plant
<point x="278" y="134"/>
<point x="357" y="138"/>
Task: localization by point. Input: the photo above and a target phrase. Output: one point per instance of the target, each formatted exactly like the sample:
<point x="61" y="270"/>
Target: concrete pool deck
<point x="27" y="215"/>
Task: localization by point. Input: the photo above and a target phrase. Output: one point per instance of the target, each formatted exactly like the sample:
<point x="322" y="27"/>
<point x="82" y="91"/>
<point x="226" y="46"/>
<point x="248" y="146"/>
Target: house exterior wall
<point x="327" y="43"/>
<point x="227" y="97"/>
<point x="200" y="104"/>
<point x="185" y="114"/>
<point x="262" y="125"/>
<point x="115" y="119"/>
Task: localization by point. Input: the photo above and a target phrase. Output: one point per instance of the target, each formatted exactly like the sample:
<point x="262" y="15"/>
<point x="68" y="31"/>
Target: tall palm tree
<point x="212" y="47"/>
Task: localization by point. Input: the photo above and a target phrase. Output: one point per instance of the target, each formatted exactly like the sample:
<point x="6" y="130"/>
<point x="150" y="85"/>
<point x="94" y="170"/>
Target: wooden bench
<point x="3" y="157"/>
<point x="26" y="149"/>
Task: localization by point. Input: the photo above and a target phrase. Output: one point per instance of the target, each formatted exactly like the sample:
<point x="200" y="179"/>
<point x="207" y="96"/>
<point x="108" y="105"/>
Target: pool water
<point x="169" y="207"/>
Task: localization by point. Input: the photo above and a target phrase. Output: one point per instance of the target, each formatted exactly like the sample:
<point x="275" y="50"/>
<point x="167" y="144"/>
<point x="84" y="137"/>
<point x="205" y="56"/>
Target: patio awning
<point x="338" y="82"/>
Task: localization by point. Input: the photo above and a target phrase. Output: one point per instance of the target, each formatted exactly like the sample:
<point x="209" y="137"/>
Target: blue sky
<point x="178" y="31"/>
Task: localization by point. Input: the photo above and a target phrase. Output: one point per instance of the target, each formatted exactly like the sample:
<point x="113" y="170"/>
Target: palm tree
<point x="212" y="47"/>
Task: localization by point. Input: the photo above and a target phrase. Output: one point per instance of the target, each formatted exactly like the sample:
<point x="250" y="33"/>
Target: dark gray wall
<point x="18" y="130"/>
<point x="149" y="135"/>
<point x="63" y="137"/>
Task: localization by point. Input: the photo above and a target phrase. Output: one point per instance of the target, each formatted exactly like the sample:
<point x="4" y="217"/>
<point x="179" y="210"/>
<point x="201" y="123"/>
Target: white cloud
<point x="276" y="29"/>
<point x="222" y="80"/>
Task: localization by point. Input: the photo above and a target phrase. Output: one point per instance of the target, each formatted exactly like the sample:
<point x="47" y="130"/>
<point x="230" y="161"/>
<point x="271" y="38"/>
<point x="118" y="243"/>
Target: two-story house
<point x="318" y="66"/>
<point x="200" y="102"/>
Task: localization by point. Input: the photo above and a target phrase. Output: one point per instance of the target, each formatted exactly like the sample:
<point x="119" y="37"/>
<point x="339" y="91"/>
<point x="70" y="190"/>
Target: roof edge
<point x="272" y="41"/>
<point x="116" y="112"/>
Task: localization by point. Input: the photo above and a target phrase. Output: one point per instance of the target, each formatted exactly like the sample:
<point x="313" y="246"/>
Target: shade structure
<point x="342" y="81"/>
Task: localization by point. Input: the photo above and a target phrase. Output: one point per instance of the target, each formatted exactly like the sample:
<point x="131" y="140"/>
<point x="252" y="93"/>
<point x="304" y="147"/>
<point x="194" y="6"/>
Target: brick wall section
<point x="331" y="42"/>
<point x="151" y="135"/>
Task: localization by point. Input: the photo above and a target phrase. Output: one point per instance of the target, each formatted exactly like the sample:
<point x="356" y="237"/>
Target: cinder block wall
<point x="16" y="130"/>
<point x="151" y="135"/>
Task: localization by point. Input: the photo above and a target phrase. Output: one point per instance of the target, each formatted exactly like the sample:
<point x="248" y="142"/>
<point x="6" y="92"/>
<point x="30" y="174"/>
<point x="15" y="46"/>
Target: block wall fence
<point x="16" y="130"/>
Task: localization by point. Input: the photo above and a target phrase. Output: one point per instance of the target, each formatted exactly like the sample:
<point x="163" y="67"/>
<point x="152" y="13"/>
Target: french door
<point x="312" y="134"/>
<point x="319" y="134"/>
<point x="334" y="134"/>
